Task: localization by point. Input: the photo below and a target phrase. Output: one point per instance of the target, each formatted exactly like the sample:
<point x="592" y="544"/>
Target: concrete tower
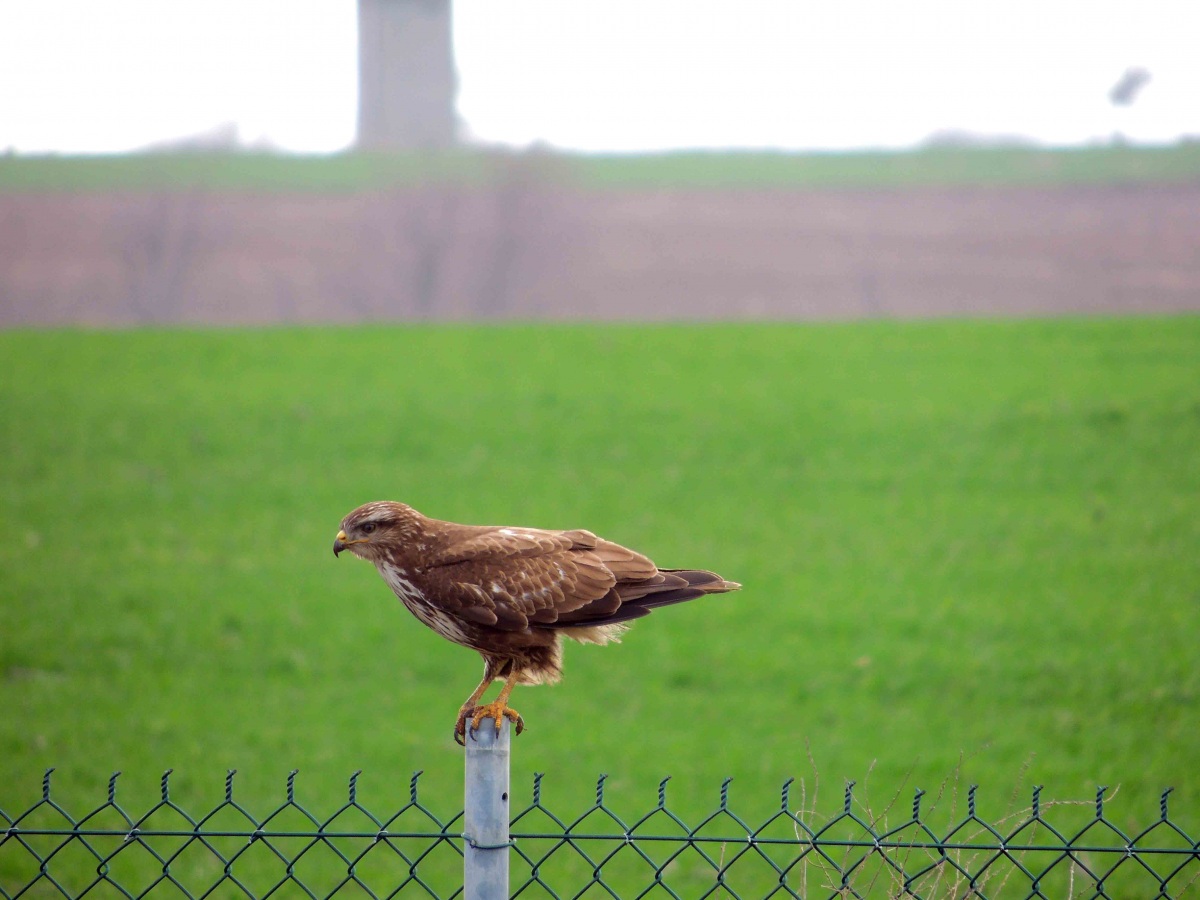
<point x="406" y="78"/>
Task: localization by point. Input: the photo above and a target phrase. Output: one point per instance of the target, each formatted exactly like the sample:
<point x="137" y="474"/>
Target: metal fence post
<point x="485" y="813"/>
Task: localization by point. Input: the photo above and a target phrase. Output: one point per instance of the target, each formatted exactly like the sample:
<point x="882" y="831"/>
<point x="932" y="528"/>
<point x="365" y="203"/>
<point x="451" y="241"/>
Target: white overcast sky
<point x="607" y="75"/>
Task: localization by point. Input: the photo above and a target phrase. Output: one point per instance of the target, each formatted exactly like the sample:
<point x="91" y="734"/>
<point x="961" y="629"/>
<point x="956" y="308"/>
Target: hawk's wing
<point x="484" y="542"/>
<point x="512" y="578"/>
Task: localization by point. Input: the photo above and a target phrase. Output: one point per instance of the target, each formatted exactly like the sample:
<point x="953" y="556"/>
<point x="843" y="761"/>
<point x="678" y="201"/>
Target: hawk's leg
<point x="468" y="709"/>
<point x="498" y="710"/>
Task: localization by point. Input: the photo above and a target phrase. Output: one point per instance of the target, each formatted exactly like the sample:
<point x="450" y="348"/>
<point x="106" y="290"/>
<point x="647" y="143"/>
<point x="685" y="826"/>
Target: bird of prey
<point x="513" y="594"/>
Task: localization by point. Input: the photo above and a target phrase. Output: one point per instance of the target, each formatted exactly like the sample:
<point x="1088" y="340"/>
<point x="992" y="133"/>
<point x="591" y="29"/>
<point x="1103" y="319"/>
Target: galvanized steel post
<point x="486" y="813"/>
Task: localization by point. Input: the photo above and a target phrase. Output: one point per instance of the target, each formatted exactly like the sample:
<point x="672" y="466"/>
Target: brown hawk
<point x="512" y="594"/>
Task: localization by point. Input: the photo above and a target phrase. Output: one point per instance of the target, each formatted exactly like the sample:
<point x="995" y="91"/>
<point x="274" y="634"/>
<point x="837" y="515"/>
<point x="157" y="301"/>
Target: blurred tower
<point x="406" y="78"/>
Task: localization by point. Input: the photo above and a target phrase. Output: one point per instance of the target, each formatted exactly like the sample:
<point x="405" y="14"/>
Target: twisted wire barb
<point x="916" y="807"/>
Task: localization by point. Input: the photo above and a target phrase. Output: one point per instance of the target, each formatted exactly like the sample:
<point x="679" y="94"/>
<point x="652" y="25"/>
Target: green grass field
<point x="356" y="171"/>
<point x="971" y="553"/>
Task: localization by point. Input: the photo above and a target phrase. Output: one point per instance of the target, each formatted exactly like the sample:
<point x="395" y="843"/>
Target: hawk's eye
<point x="368" y="527"/>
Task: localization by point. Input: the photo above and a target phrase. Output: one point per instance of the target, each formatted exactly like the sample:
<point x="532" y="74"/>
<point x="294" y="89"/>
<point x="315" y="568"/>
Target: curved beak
<point x="342" y="542"/>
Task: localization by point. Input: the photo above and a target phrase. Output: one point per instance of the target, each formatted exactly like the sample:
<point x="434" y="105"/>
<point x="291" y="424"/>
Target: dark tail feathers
<point x="638" y="598"/>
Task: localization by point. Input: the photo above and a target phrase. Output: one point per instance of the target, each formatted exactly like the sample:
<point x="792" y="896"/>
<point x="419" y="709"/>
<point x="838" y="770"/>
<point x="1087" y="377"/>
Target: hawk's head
<point x="369" y="531"/>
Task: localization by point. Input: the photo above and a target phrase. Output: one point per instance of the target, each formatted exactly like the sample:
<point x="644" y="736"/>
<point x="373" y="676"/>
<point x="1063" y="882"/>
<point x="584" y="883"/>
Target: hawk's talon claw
<point x="497" y="710"/>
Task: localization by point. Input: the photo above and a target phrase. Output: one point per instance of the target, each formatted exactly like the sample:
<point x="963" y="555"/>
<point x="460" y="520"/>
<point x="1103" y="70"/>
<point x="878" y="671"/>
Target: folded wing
<point x="512" y="579"/>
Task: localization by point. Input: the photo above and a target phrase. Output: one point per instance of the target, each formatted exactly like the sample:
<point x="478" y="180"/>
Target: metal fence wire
<point x="228" y="852"/>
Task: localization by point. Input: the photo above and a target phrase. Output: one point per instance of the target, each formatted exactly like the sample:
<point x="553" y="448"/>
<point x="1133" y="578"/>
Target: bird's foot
<point x="497" y="710"/>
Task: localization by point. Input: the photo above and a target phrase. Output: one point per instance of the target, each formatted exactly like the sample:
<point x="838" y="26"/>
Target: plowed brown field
<point x="533" y="251"/>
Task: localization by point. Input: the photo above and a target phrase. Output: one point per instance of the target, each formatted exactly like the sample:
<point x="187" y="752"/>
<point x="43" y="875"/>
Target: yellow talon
<point x="497" y="710"/>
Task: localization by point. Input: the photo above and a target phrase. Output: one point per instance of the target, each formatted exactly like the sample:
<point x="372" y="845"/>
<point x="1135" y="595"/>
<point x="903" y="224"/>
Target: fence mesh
<point x="1048" y="850"/>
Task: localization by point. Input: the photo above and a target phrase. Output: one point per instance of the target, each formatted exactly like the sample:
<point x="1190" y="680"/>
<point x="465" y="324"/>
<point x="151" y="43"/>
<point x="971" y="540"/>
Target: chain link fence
<point x="229" y="852"/>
